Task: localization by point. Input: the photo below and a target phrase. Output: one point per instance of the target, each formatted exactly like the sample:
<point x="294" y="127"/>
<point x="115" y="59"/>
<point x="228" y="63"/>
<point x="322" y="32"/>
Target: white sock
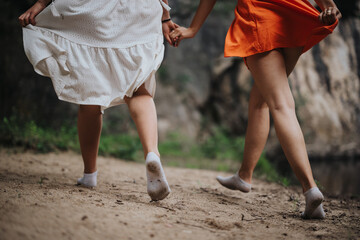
<point x="157" y="186"/>
<point x="314" y="208"/>
<point x="234" y="183"/>
<point x="88" y="180"/>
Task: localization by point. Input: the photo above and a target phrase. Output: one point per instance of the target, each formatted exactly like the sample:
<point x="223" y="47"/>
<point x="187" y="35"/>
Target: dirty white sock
<point x="157" y="186"/>
<point x="313" y="208"/>
<point x="234" y="183"/>
<point x="88" y="180"/>
<point x="318" y="212"/>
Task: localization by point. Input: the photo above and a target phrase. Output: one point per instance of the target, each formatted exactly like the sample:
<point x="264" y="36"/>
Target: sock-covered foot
<point x="234" y="183"/>
<point x="313" y="208"/>
<point x="318" y="213"/>
<point x="88" y="180"/>
<point x="157" y="186"/>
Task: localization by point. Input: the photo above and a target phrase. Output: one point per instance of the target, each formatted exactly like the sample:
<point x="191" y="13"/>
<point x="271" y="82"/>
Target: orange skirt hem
<point x="314" y="38"/>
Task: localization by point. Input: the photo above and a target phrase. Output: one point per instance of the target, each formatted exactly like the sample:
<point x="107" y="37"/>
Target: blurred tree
<point x="23" y="93"/>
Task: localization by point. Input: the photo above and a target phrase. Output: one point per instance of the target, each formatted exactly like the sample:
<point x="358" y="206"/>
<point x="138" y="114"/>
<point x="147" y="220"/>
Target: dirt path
<point x="38" y="200"/>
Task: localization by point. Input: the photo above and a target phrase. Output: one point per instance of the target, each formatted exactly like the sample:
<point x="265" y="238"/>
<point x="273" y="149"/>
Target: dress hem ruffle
<point x="72" y="66"/>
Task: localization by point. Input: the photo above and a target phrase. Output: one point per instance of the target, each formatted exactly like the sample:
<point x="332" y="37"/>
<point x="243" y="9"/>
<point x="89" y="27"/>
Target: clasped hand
<point x="174" y="33"/>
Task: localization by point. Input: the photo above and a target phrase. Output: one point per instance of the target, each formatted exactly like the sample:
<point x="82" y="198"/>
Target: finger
<point x="26" y="19"/>
<point x="330" y="16"/>
<point x="331" y="19"/>
<point x="174" y="34"/>
<point x="177" y="26"/>
<point x="32" y="18"/>
<point x="333" y="16"/>
<point x="21" y="20"/>
<point x="168" y="39"/>
<point x="173" y="25"/>
<point x="327" y="16"/>
<point x="177" y="43"/>
<point x="338" y="14"/>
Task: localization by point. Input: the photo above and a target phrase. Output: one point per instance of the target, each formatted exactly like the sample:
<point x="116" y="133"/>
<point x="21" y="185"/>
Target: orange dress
<point x="263" y="25"/>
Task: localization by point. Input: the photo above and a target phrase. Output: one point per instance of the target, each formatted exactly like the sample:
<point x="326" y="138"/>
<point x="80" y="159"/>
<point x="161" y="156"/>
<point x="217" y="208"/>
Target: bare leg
<point x="256" y="133"/>
<point x="143" y="112"/>
<point x="89" y="130"/>
<point x="270" y="75"/>
<point x="259" y="122"/>
<point x="291" y="56"/>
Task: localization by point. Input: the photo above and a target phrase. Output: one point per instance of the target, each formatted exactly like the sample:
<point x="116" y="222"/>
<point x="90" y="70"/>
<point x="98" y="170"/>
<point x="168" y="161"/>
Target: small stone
<point x="84" y="217"/>
<point x="152" y="235"/>
<point x="285" y="234"/>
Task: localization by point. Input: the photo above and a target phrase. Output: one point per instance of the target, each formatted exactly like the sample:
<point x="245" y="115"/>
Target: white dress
<point x="97" y="52"/>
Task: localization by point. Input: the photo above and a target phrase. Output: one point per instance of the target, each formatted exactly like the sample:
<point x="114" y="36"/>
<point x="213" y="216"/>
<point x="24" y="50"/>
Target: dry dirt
<point x="39" y="200"/>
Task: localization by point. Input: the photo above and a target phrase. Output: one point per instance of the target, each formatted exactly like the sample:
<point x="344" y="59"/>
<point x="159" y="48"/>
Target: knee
<point x="259" y="105"/>
<point x="284" y="106"/>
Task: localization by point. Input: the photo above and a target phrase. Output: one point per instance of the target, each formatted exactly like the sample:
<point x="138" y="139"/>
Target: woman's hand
<point x="181" y="33"/>
<point x="167" y="27"/>
<point x="329" y="15"/>
<point x="28" y="17"/>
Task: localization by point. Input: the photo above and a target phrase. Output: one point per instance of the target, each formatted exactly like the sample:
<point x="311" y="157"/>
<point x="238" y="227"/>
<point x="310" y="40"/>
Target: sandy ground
<point x="39" y="200"/>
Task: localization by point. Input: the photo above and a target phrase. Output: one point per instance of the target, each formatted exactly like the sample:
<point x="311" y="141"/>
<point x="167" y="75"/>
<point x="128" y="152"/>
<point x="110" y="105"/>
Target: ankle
<point x="90" y="170"/>
<point x="245" y="176"/>
<point x="151" y="150"/>
<point x="308" y="185"/>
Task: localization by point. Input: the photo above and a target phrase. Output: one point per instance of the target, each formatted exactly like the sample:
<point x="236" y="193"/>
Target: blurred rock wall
<point x="214" y="90"/>
<point x="198" y="89"/>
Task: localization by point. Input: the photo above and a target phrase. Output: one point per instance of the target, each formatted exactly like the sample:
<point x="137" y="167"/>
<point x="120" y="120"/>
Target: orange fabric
<point x="264" y="25"/>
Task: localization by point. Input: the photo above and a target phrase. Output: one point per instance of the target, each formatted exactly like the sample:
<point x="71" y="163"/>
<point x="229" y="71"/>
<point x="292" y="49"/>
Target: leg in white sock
<point x="234" y="183"/>
<point x="313" y="209"/>
<point x="157" y="186"/>
<point x="88" y="180"/>
<point x="143" y="112"/>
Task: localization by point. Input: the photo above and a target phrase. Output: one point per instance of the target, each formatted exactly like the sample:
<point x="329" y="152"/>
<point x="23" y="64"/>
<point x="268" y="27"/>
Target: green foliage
<point x="221" y="146"/>
<point x="219" y="151"/>
<point x="31" y="136"/>
<point x="320" y="186"/>
<point x="121" y="146"/>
